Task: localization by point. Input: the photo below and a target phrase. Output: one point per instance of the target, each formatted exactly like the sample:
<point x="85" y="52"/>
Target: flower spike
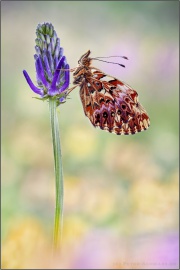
<point x="52" y="70"/>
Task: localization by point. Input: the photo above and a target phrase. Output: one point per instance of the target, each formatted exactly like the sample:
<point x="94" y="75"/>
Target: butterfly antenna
<point x="125" y="57"/>
<point x="109" y="62"/>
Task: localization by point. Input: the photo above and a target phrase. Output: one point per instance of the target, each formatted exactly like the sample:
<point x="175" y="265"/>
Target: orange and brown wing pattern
<point x="112" y="105"/>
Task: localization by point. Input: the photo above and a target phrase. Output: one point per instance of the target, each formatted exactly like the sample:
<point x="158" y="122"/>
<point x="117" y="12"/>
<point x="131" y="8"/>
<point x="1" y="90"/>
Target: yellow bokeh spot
<point x="79" y="142"/>
<point x="75" y="228"/>
<point x="24" y="240"/>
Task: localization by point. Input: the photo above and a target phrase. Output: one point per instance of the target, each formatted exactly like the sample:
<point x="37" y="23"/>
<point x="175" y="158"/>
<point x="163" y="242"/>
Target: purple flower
<point x="52" y="70"/>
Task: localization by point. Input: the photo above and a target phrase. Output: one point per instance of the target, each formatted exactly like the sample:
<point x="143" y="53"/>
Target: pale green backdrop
<point x="121" y="192"/>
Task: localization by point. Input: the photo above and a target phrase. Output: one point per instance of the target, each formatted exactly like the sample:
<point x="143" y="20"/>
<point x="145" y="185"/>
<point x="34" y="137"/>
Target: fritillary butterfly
<point x="109" y="103"/>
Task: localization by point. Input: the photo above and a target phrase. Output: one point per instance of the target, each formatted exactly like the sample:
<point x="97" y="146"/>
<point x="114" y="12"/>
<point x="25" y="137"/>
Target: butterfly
<point x="109" y="103"/>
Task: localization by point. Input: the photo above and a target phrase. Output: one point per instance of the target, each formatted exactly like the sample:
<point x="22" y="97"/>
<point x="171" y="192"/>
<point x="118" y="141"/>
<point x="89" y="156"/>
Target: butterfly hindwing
<point x="112" y="105"/>
<point x="108" y="102"/>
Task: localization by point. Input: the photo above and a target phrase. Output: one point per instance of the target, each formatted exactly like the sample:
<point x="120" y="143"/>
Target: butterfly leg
<point x="70" y="89"/>
<point x="66" y="69"/>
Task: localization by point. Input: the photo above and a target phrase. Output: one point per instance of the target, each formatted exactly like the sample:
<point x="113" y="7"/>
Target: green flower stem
<point x="58" y="221"/>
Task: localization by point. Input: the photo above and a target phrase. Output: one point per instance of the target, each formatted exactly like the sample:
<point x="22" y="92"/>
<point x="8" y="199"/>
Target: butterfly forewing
<point x="109" y="103"/>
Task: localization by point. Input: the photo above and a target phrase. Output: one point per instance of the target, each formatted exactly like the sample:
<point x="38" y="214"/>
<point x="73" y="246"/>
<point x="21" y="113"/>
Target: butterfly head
<point x="85" y="60"/>
<point x="83" y="69"/>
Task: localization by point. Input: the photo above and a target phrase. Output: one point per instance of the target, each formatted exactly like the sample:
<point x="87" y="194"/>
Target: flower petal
<point x="53" y="90"/>
<point x="67" y="76"/>
<point x="57" y="48"/>
<point x="40" y="71"/>
<point x="50" y="58"/>
<point x="55" y="61"/>
<point x="47" y="67"/>
<point x="61" y="52"/>
<point x="32" y="86"/>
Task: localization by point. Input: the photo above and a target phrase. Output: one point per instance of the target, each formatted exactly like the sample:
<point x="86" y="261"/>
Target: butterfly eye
<point x="112" y="114"/>
<point x="118" y="112"/>
<point x="105" y="115"/>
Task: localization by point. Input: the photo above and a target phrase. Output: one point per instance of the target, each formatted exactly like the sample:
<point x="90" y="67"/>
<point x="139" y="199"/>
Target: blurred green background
<point x="121" y="192"/>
